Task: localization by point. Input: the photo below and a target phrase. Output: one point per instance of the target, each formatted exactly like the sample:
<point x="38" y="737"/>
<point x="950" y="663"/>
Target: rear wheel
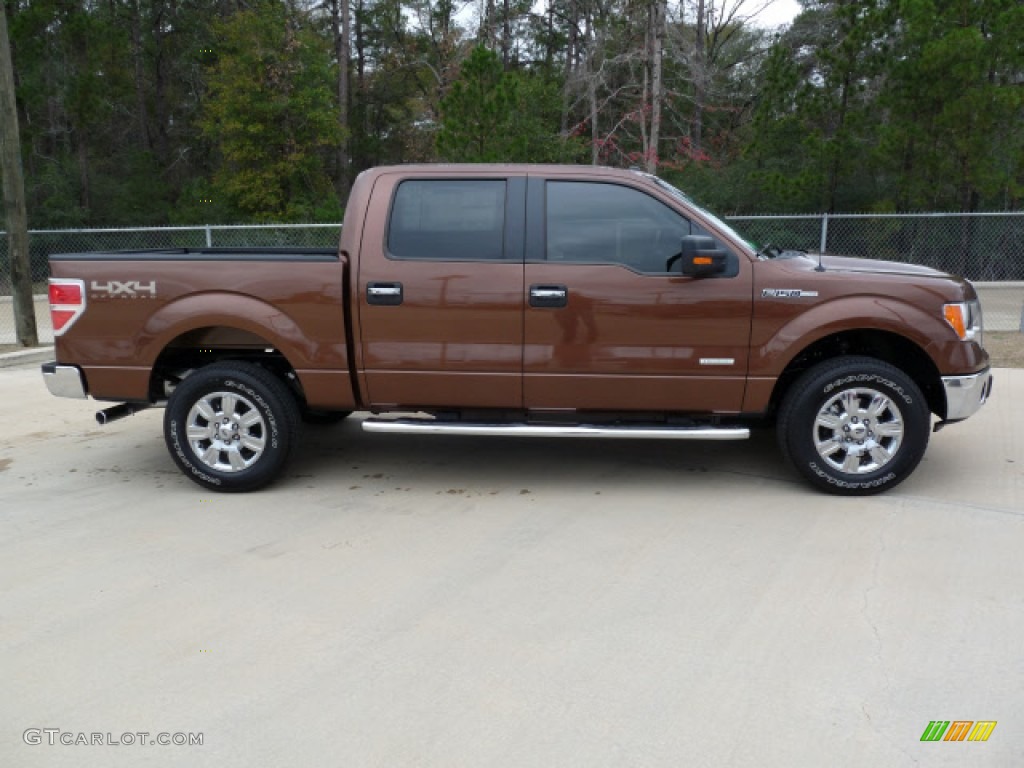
<point x="854" y="426"/>
<point x="230" y="426"/>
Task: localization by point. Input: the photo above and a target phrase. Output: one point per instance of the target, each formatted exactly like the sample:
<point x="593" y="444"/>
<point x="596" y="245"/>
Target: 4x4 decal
<point x="129" y="289"/>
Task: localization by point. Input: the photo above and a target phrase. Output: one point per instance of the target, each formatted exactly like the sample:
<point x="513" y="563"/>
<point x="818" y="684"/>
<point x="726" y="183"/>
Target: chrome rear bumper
<point x="64" y="380"/>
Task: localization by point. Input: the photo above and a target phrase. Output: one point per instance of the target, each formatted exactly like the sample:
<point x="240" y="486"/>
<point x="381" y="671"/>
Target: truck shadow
<point x="345" y="450"/>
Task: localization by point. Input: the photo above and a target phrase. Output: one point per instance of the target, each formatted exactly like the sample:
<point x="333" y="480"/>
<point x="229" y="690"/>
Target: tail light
<point x="67" y="303"/>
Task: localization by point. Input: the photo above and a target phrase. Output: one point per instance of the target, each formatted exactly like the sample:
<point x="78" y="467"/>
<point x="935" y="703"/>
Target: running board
<point x="433" y="427"/>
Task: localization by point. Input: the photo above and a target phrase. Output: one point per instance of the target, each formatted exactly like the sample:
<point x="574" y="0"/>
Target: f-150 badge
<point x="787" y="293"/>
<point x="129" y="289"/>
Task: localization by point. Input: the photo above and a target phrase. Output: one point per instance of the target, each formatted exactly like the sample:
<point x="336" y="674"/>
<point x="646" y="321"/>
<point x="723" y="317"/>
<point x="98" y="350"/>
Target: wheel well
<point x="202" y="346"/>
<point x="881" y="345"/>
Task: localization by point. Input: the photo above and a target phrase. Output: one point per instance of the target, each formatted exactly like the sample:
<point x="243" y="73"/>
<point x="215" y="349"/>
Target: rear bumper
<point x="64" y="380"/>
<point x="966" y="394"/>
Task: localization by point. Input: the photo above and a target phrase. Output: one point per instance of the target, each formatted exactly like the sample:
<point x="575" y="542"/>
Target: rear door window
<point x="448" y="220"/>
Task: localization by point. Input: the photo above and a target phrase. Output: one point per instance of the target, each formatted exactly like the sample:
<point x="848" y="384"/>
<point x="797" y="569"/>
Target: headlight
<point x="965" y="318"/>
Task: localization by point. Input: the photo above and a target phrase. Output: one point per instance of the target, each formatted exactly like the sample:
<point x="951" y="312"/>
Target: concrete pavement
<point x="416" y="601"/>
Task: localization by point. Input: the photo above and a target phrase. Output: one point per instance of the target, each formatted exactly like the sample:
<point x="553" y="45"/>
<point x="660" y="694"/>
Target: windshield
<point x="679" y="194"/>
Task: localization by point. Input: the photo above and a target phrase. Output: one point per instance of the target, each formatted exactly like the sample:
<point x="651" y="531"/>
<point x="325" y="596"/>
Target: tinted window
<point x="608" y="223"/>
<point x="447" y="220"/>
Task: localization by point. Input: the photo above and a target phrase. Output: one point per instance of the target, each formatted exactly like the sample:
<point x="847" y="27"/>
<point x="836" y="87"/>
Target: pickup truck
<point x="523" y="300"/>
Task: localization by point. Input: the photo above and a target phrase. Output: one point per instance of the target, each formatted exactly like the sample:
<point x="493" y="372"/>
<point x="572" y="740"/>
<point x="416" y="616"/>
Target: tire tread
<point x="279" y="398"/>
<point x="813" y="378"/>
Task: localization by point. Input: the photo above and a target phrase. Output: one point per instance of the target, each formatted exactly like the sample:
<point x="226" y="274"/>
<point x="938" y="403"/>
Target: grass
<point x="1006" y="348"/>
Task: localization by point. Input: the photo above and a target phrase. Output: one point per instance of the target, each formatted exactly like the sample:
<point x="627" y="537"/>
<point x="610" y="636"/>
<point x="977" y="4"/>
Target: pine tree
<point x="272" y="117"/>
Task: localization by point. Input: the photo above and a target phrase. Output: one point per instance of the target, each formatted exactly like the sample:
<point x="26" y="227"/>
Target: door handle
<point x="549" y="296"/>
<point x="384" y="294"/>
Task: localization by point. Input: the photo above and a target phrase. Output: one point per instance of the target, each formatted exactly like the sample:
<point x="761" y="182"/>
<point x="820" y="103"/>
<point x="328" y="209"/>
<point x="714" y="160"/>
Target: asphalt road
<point x="416" y="601"/>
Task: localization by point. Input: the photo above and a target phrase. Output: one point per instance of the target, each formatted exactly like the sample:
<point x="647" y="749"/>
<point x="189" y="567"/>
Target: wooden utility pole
<point x="341" y="27"/>
<point x="14" y="197"/>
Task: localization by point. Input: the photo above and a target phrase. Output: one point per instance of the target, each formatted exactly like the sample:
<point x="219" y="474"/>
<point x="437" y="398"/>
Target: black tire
<point x="247" y="445"/>
<point x="854" y="426"/>
<point x="323" y="418"/>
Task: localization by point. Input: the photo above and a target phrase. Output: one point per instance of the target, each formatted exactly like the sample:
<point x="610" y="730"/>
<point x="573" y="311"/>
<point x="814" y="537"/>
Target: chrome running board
<point x="433" y="427"/>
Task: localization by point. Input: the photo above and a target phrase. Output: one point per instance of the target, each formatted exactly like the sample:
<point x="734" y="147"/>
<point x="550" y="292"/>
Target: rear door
<point x="609" y="324"/>
<point x="441" y="291"/>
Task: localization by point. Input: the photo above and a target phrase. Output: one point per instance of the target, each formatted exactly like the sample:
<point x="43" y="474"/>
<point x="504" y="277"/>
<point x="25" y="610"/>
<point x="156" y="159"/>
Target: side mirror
<point x="701" y="257"/>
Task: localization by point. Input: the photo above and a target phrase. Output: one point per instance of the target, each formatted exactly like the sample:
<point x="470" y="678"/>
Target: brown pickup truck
<point x="540" y="301"/>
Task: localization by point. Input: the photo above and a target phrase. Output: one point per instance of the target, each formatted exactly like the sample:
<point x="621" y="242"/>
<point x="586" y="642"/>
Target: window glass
<point x="608" y="223"/>
<point x="715" y="219"/>
<point x="441" y="219"/>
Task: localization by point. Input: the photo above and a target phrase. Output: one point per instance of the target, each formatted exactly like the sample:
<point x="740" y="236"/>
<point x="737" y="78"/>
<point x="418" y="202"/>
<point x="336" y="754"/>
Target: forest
<point x="151" y="112"/>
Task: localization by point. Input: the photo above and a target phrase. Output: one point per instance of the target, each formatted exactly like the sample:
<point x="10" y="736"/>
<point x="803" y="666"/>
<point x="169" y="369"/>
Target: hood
<point x="873" y="266"/>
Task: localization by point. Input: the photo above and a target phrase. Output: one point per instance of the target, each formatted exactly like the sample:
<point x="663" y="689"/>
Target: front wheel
<point x="230" y="426"/>
<point x="854" y="426"/>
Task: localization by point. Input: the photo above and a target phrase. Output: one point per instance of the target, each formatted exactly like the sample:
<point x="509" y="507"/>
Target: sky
<point x="779" y="12"/>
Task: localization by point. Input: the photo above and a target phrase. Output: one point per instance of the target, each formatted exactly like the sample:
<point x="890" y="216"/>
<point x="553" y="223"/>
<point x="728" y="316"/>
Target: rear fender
<point x="229" y="310"/>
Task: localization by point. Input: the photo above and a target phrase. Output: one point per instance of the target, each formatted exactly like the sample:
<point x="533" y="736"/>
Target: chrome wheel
<point x="858" y="431"/>
<point x="226" y="431"/>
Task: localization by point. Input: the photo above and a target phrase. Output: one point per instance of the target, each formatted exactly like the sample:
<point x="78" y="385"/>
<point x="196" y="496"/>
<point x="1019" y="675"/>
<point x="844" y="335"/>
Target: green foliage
<point x="535" y="121"/>
<point x="478" y="113"/>
<point x="955" y="104"/>
<point x="906" y="105"/>
<point x="491" y="116"/>
<point x="816" y="118"/>
<point x="138" y="112"/>
<point x="271" y="115"/>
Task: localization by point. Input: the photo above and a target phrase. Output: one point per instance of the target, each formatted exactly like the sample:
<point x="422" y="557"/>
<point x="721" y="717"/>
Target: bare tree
<point x="656" y="32"/>
<point x="714" y="26"/>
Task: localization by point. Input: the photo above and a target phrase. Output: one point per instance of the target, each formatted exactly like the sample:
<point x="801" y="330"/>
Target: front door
<point x="610" y="325"/>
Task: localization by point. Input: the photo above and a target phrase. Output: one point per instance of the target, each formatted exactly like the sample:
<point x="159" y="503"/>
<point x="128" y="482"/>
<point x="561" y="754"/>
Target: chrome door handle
<point x="551" y="296"/>
<point x="384" y="294"/>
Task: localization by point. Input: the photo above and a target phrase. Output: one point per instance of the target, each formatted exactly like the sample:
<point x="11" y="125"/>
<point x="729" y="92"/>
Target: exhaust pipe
<point x="116" y="412"/>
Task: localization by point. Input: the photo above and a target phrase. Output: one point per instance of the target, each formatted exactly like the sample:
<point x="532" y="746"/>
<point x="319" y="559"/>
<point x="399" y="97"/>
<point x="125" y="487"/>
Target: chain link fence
<point x="982" y="247"/>
<point x="987" y="248"/>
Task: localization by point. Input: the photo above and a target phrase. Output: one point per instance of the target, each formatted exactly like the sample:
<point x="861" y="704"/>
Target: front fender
<point x="776" y="340"/>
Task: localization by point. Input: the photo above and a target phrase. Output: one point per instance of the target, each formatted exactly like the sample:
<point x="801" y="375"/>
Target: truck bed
<point x="204" y="254"/>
